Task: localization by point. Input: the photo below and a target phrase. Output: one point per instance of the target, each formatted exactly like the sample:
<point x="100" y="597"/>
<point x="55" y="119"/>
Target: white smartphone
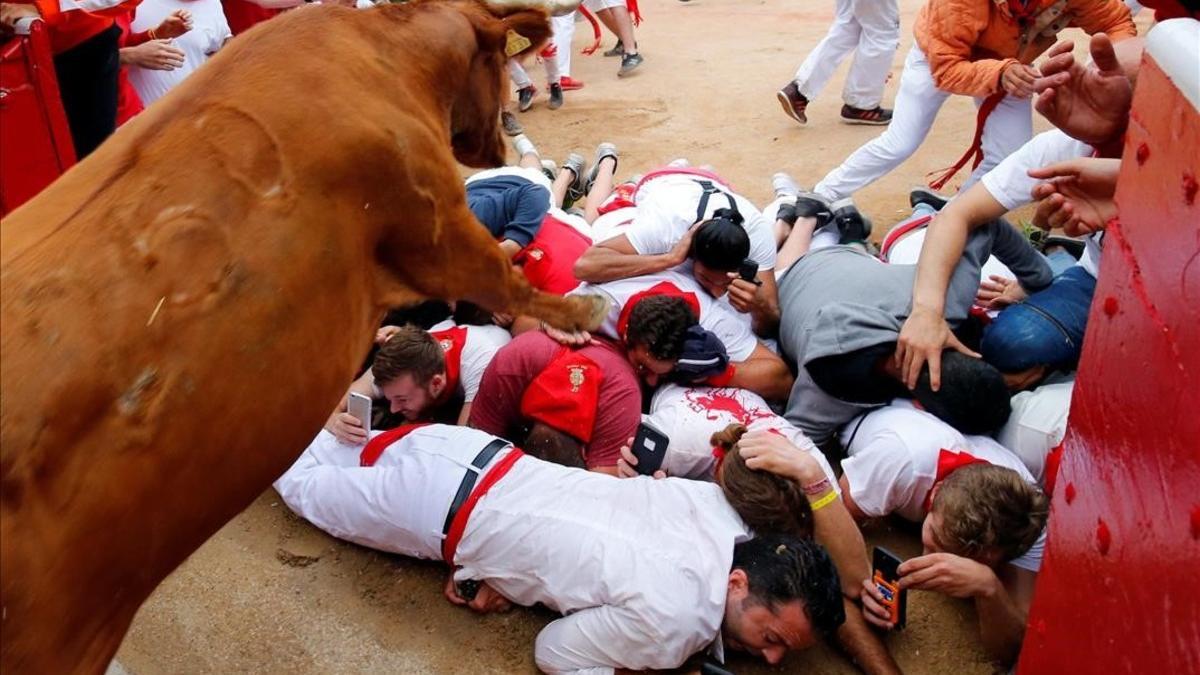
<point x="359" y="405"/>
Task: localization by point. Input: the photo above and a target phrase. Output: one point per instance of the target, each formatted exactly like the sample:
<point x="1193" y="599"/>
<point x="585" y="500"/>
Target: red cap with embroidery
<point x="565" y="395"/>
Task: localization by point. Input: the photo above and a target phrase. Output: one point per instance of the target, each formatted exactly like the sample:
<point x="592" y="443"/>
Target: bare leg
<point x="558" y="190"/>
<point x="797" y="242"/>
<point x="530" y="160"/>
<point x="602" y="187"/>
<point x="617" y="20"/>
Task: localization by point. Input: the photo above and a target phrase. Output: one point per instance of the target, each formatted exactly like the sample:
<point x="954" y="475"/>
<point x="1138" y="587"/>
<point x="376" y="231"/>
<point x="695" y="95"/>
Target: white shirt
<point x="611" y="224"/>
<point x="480" y="347"/>
<point x="640" y="567"/>
<point x="689" y="416"/>
<point x="893" y="459"/>
<point x="666" y="210"/>
<point x="209" y="32"/>
<point x="1010" y="184"/>
<point x="722" y="320"/>
<point x="1037" y="424"/>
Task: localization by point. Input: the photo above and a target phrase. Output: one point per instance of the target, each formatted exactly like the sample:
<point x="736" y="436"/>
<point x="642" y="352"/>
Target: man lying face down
<point x="638" y="592"/>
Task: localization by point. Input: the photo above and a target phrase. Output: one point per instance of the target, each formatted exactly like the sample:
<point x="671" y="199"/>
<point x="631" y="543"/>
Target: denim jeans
<point x="1047" y="329"/>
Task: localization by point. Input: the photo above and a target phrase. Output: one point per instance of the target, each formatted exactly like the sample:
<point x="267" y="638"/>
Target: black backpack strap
<point x="707" y="190"/>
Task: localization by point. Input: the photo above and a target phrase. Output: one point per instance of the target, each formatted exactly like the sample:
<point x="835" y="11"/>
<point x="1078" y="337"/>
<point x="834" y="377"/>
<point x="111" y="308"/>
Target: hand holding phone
<point x="886" y="577"/>
<point x="649" y="447"/>
<point x="359" y="406"/>
<point x="748" y="271"/>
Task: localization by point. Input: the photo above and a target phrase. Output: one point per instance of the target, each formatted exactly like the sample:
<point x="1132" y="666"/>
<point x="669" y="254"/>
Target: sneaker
<point x="813" y="205"/>
<point x="926" y="196"/>
<point x="524" y="146"/>
<point x="511" y="126"/>
<point x="525" y="98"/>
<point x="680" y="163"/>
<point x="629" y="63"/>
<point x="550" y="169"/>
<point x="602" y="151"/>
<point x="793" y="102"/>
<point x="784" y="185"/>
<point x="569" y="83"/>
<point x="877" y="116"/>
<point x="617" y="50"/>
<point x="575" y="164"/>
<point x="851" y="223"/>
<point x="1075" y="247"/>
<point x="556" y="96"/>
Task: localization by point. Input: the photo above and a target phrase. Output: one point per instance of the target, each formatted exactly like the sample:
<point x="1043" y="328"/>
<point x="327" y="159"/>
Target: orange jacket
<point x="969" y="43"/>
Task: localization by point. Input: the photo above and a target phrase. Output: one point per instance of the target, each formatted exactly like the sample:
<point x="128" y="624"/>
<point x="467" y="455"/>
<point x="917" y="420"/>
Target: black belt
<point x="468" y="482"/>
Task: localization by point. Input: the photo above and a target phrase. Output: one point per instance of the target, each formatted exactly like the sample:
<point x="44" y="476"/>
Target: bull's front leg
<point x="439" y="250"/>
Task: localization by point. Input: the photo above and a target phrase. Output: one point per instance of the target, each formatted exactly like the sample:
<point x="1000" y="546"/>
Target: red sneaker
<point x="568" y="83"/>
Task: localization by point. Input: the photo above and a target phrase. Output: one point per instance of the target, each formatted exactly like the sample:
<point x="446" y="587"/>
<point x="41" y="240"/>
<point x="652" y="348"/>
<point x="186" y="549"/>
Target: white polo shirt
<point x="722" y="320"/>
<point x="1010" y="184"/>
<point x="689" y="416"/>
<point x="209" y="32"/>
<point x="893" y="463"/>
<point x="666" y="210"/>
<point x="640" y="567"/>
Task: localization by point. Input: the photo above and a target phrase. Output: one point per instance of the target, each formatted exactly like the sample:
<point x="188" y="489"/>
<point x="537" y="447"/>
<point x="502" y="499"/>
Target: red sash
<point x="661" y="288"/>
<point x="452" y="341"/>
<point x="950" y="461"/>
<point x="686" y="171"/>
<point x="621" y="198"/>
<point x="897" y="233"/>
<point x="1050" y="470"/>
<point x="374" y="449"/>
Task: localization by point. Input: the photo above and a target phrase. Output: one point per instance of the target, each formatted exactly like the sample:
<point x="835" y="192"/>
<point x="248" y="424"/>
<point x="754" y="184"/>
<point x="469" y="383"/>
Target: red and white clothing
<point x="1037" y="426"/>
<point x="209" y="32"/>
<point x="468" y="349"/>
<point x="549" y="260"/>
<point x="898" y="453"/>
<point x="731" y="328"/>
<point x="689" y="416"/>
<point x="667" y="203"/>
<point x="638" y="592"/>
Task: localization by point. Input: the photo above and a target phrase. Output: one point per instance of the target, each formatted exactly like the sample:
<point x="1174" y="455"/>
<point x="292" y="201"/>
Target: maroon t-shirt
<point x="497" y="406"/>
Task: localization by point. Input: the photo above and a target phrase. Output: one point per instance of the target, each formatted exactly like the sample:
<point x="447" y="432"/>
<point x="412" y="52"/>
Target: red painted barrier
<point x="1119" y="590"/>
<point x="34" y="135"/>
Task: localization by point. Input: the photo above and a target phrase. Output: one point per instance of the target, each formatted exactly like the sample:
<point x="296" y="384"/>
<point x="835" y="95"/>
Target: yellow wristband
<point x="824" y="501"/>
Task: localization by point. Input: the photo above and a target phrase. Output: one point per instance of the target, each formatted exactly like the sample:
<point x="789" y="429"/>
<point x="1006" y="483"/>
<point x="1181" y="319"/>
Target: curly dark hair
<point x="660" y="324"/>
<point x="781" y="569"/>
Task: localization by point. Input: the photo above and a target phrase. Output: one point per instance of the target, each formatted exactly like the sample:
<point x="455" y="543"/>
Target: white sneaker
<point x="524" y="146"/>
<point x="784" y="185"/>
<point x="680" y="163"/>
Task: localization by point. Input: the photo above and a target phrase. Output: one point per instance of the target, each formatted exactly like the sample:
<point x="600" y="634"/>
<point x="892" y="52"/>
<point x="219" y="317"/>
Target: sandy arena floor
<point x="271" y="594"/>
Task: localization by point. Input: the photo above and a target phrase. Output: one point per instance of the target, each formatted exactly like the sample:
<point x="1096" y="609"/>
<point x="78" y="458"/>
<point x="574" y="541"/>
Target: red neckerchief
<point x="452" y="341"/>
<point x="661" y="288"/>
<point x="374" y="449"/>
<point x="950" y="461"/>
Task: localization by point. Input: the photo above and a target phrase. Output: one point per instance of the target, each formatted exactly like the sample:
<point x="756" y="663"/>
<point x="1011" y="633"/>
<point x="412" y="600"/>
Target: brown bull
<point x="182" y="310"/>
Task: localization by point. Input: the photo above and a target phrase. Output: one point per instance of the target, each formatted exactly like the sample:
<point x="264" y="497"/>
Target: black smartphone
<point x="748" y="271"/>
<point x="468" y="589"/>
<point x="886" y="577"/>
<point x="649" y="447"/>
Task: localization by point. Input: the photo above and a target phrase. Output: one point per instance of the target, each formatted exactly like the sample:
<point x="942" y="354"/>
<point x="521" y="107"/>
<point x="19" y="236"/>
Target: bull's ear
<point x="532" y="25"/>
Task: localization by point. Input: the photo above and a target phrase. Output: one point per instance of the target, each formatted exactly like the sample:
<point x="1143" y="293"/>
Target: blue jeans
<point x="1045" y="330"/>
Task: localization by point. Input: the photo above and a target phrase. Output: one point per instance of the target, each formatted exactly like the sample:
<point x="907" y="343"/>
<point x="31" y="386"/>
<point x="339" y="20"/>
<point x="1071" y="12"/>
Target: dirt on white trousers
<point x="917" y="104"/>
<point x="870" y="29"/>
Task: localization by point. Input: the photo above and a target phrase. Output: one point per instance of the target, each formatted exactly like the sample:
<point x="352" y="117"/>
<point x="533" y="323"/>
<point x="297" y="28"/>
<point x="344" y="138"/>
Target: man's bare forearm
<point x="864" y="647"/>
<point x="1001" y="623"/>
<point x="599" y="264"/>
<point x="945" y="239"/>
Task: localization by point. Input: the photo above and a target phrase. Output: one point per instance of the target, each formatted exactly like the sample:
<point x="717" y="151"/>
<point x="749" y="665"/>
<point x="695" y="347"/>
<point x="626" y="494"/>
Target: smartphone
<point x="886" y="577"/>
<point x="748" y="271"/>
<point x="359" y="405"/>
<point x="649" y="446"/>
<point x="468" y="589"/>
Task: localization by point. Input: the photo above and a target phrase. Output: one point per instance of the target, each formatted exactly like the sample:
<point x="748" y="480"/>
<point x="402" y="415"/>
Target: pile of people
<point x="768" y="346"/>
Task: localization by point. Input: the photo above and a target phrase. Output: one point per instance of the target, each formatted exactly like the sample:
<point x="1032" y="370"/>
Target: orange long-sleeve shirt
<point x="969" y="43"/>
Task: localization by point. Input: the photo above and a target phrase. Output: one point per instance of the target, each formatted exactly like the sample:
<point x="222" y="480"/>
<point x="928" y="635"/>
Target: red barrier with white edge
<point x="1119" y="589"/>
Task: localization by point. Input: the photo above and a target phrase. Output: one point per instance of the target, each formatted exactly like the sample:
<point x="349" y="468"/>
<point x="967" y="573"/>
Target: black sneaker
<point x="794" y="103"/>
<point x="852" y="225"/>
<point x="556" y="96"/>
<point x="511" y="126"/>
<point x="618" y="50"/>
<point x="629" y="63"/>
<point x="926" y="196"/>
<point x="525" y="98"/>
<point x="877" y="116"/>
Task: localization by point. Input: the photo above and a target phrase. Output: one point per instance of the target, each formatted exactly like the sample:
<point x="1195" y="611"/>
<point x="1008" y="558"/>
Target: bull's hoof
<point x="598" y="308"/>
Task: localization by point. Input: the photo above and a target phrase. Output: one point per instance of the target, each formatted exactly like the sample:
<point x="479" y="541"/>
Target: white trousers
<point x="564" y="33"/>
<point x="870" y="29"/>
<point x="917" y="104"/>
<point x="516" y="72"/>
